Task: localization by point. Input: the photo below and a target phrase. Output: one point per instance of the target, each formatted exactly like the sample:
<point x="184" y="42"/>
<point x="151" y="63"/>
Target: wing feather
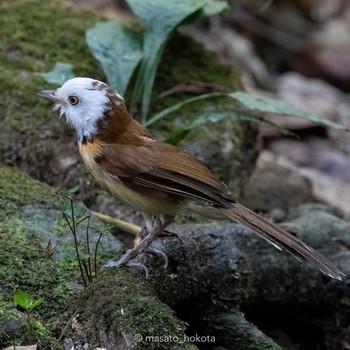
<point x="158" y="168"/>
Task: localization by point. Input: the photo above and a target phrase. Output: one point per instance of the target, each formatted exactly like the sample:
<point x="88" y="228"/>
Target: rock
<point x="318" y="223"/>
<point x="325" y="188"/>
<point x="306" y="209"/>
<point x="272" y="187"/>
<point x="305" y="93"/>
<point x="38" y="256"/>
<point x="31" y="137"/>
<point x="326" y="55"/>
<point x="316" y="153"/>
<point x="329" y="64"/>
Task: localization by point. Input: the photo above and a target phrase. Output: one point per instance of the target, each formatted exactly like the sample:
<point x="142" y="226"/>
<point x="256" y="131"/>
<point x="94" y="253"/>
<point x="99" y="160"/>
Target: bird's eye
<point x="73" y="100"/>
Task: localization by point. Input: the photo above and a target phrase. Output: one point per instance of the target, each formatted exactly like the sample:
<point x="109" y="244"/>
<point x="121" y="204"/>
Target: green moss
<point x="12" y="323"/>
<point x="24" y="265"/>
<point x="14" y="326"/>
<point x="34" y="35"/>
<point x="30" y="218"/>
<point x="19" y="189"/>
<point x="122" y="310"/>
<point x="24" y="262"/>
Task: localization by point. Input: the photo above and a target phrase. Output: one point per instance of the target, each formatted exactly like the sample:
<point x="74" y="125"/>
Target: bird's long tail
<point x="281" y="239"/>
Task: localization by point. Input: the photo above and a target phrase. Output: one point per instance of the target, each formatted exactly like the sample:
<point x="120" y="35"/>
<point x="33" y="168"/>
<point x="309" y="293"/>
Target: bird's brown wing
<point x="157" y="169"/>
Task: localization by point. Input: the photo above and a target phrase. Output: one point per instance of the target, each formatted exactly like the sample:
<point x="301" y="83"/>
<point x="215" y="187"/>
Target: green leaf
<point x="59" y="74"/>
<point x="118" y="49"/>
<point x="212" y="7"/>
<point x="214" y="116"/>
<point x="269" y="105"/>
<point x="252" y="102"/>
<point x="166" y="111"/>
<point x="160" y="19"/>
<point x="66" y="207"/>
<point x="73" y="190"/>
<point x="36" y="303"/>
<point x="24" y="300"/>
<point x="99" y="231"/>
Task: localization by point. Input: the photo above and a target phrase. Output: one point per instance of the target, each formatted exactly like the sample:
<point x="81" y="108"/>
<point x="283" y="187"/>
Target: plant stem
<point x="95" y="254"/>
<point x="76" y="244"/>
<point x="88" y="246"/>
<point x="29" y="326"/>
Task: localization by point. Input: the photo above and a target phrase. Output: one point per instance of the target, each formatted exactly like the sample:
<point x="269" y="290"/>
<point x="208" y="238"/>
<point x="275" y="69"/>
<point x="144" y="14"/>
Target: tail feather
<point x="281" y="239"/>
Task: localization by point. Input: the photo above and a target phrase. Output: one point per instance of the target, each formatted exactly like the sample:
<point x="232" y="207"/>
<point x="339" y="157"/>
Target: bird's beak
<point x="51" y="95"/>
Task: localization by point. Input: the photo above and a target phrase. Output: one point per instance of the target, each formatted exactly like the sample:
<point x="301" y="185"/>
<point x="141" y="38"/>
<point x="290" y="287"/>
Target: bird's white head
<point x="84" y="102"/>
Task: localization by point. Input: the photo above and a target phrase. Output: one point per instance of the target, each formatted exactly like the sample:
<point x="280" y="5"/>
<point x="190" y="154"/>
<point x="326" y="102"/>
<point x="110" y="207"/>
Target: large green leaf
<point x="160" y="18"/>
<point x="249" y="102"/>
<point x="215" y="115"/>
<point x="59" y="74"/>
<point x="268" y="105"/>
<point x="118" y="49"/>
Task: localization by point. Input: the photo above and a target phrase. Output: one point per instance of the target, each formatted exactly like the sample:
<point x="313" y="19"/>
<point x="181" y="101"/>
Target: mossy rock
<point x="125" y="313"/>
<point x="35" y="35"/>
<point x="30" y="219"/>
<point x="30" y="222"/>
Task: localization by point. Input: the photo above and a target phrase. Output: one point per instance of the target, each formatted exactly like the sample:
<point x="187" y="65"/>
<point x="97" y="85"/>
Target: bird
<point x="157" y="179"/>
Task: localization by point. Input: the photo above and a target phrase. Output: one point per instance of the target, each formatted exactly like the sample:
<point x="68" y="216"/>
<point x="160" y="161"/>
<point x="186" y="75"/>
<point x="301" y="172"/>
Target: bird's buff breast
<point x="112" y="184"/>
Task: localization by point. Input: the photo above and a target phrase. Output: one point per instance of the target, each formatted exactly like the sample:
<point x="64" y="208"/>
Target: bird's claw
<point x="120" y="263"/>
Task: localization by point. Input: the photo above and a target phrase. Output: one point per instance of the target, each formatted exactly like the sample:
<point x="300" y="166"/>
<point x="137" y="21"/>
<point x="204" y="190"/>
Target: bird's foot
<point x="142" y="247"/>
<point x="120" y="263"/>
<point x="157" y="252"/>
<point x="123" y="261"/>
<point x="133" y="253"/>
